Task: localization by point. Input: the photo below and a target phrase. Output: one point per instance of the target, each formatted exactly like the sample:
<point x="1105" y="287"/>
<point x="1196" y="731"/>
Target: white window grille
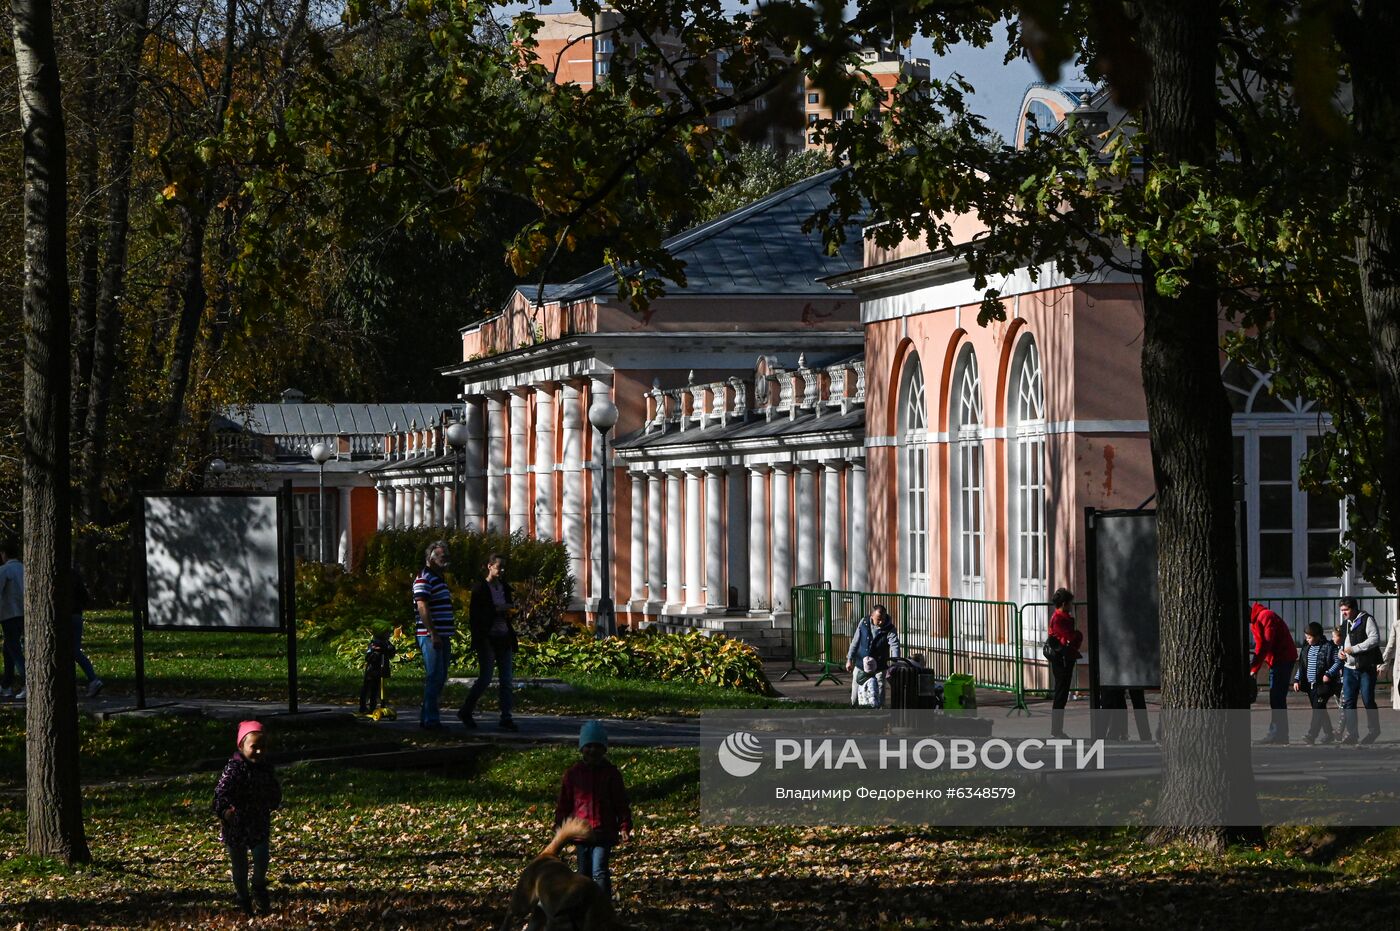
<point x="913" y="480"/>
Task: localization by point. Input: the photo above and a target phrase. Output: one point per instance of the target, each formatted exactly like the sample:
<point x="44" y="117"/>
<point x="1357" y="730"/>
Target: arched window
<point x="913" y="480"/>
<point x="1030" y="550"/>
<point x="1293" y="531"/>
<point x="968" y="479"/>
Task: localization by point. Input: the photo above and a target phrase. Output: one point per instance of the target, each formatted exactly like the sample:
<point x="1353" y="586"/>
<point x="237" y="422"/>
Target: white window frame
<point x="913" y="465"/>
<point x="968" y="480"/>
<point x="1030" y="551"/>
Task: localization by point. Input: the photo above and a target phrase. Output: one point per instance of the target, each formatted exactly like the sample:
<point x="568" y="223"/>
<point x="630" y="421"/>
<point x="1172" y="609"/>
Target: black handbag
<point x="1053" y="649"/>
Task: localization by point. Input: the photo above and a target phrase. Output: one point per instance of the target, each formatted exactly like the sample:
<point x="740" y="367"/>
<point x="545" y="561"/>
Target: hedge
<point x="688" y="657"/>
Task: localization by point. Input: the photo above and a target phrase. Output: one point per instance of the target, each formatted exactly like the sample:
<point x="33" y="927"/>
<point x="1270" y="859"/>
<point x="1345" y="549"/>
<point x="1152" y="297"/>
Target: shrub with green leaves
<point x="346" y="609"/>
<point x="689" y="657"/>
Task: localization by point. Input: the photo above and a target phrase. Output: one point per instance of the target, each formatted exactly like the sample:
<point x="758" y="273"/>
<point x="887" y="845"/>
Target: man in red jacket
<point x="1273" y="644"/>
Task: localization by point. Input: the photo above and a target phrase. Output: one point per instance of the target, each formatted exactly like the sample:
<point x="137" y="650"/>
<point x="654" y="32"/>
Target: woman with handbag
<point x="1062" y="651"/>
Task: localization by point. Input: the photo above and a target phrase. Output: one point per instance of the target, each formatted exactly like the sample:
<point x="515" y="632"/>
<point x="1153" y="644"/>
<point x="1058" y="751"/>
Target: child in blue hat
<point x="593" y="790"/>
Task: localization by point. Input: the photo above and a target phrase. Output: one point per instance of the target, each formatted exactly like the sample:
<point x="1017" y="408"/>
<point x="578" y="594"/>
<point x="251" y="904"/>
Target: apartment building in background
<point x="887" y="67"/>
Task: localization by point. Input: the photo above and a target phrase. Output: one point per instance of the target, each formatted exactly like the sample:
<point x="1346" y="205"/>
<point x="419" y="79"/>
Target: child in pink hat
<point x="244" y="799"/>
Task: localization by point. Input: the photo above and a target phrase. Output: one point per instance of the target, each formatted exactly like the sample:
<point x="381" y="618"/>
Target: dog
<point x="556" y="897"/>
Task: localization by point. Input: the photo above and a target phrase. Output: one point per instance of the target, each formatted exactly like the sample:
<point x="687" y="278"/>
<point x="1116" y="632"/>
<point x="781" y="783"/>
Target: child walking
<point x="244" y="800"/>
<point x="379" y="665"/>
<point x="593" y="791"/>
<point x="1313" y="676"/>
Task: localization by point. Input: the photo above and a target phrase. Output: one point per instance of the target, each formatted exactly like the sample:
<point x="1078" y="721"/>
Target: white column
<point x="833" y="550"/>
<point x="656" y="536"/>
<point x="435" y="492"/>
<point x="400" y="499"/>
<point x="675" y="529"/>
<point x="639" y="537"/>
<point x="736" y="536"/>
<point x="716" y="594"/>
<point x="808" y="571"/>
<point x="420" y="506"/>
<point x="383" y="516"/>
<point x="496" y="440"/>
<point x="572" y="416"/>
<point x="546" y="502"/>
<point x="520" y="504"/>
<point x="473" y="455"/>
<point x="758" y="538"/>
<point x="694" y="556"/>
<point x="449" y="503"/>
<point x="857" y="533"/>
<point x="342" y="547"/>
<point x="782" y="539"/>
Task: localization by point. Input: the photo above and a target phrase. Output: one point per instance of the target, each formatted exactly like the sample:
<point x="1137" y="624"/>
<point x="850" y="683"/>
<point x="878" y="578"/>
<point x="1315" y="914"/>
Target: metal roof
<point x="758" y="249"/>
<point x="755" y="428"/>
<point x="327" y="419"/>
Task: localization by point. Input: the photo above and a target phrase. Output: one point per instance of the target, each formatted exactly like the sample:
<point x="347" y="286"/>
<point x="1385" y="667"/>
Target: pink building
<point x="791" y="418"/>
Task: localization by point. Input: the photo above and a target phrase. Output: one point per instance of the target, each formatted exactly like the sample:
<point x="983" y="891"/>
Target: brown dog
<point x="556" y="897"/>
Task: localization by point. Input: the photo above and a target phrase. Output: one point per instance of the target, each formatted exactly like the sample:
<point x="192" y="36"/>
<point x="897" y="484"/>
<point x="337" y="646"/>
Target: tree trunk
<point x="53" y="794"/>
<point x="193" y="300"/>
<point x="86" y="309"/>
<point x="1189" y="423"/>
<point x="1375" y="86"/>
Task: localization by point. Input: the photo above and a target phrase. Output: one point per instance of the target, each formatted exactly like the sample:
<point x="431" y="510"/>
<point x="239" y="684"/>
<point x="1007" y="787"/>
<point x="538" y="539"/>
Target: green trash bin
<point x="960" y="693"/>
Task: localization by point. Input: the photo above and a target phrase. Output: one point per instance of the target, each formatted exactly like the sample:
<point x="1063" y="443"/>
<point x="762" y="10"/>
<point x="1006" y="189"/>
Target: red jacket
<point x="595" y="794"/>
<point x="1062" y="629"/>
<point x="1273" y="641"/>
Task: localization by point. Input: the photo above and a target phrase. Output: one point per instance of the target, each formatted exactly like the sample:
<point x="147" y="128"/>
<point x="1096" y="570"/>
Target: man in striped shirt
<point x="432" y="603"/>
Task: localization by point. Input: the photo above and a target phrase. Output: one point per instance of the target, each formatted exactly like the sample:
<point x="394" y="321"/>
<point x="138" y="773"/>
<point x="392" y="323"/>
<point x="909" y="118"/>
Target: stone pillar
<point x="400" y="508"/>
<point x="383" y="517"/>
<point x="807" y="511"/>
<point x="736" y="536"/>
<point x="675" y="530"/>
<point x="546" y="502"/>
<point x="656" y="537"/>
<point x="857" y="531"/>
<point x="716" y="594"/>
<point x="342" y="537"/>
<point x="782" y="540"/>
<point x="694" y="555"/>
<point x="420" y="506"/>
<point x="449" y="503"/>
<point x="572" y="417"/>
<point x="473" y="456"/>
<point x="496" y="440"/>
<point x="638" y="560"/>
<point x="759" y="598"/>
<point x="833" y="525"/>
<point x="520" y="503"/>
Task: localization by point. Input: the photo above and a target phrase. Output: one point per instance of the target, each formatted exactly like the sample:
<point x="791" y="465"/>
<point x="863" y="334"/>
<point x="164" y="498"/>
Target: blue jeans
<point x="593" y="862"/>
<point x="84" y="663"/>
<point x="13" y="628"/>
<point x="238" y="867"/>
<point x="435" y="661"/>
<point x="1280" y="681"/>
<point x="1363" y="683"/>
<point x="491" y="657"/>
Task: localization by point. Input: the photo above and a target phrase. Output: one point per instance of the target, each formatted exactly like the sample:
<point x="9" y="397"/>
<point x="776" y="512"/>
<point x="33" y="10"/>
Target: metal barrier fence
<point x="997" y="642"/>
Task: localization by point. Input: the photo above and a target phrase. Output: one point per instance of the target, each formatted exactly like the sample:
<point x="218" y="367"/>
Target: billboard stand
<point x="219" y="559"/>
<point x="1123" y="626"/>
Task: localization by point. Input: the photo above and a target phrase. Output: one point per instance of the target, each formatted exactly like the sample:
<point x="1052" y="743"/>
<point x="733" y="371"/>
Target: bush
<point x="346" y="609"/>
<point x="689" y="657"/>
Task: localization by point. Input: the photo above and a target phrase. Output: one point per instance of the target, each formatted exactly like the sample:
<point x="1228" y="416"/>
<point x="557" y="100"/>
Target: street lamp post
<point x="322" y="454"/>
<point x="457" y="439"/>
<point x="603" y="415"/>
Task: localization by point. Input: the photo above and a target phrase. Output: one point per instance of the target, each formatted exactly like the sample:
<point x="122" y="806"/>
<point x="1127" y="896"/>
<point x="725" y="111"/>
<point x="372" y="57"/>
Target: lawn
<point x="254" y="666"/>
<point x="441" y="847"/>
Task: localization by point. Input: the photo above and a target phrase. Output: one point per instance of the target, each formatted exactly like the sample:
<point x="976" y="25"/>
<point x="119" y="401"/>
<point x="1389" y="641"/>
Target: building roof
<point x="780" y="428"/>
<point x="326" y="419"/>
<point x="758" y="249"/>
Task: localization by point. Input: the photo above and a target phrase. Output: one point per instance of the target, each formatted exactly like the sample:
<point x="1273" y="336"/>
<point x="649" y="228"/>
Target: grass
<point x="442" y="847"/>
<point x="183" y="664"/>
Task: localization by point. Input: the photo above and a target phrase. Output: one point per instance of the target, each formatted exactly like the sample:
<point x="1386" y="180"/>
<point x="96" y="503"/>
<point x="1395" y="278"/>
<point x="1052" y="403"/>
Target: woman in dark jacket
<point x="493" y="639"/>
<point x="1063" y="631"/>
<point x="876" y="637"/>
